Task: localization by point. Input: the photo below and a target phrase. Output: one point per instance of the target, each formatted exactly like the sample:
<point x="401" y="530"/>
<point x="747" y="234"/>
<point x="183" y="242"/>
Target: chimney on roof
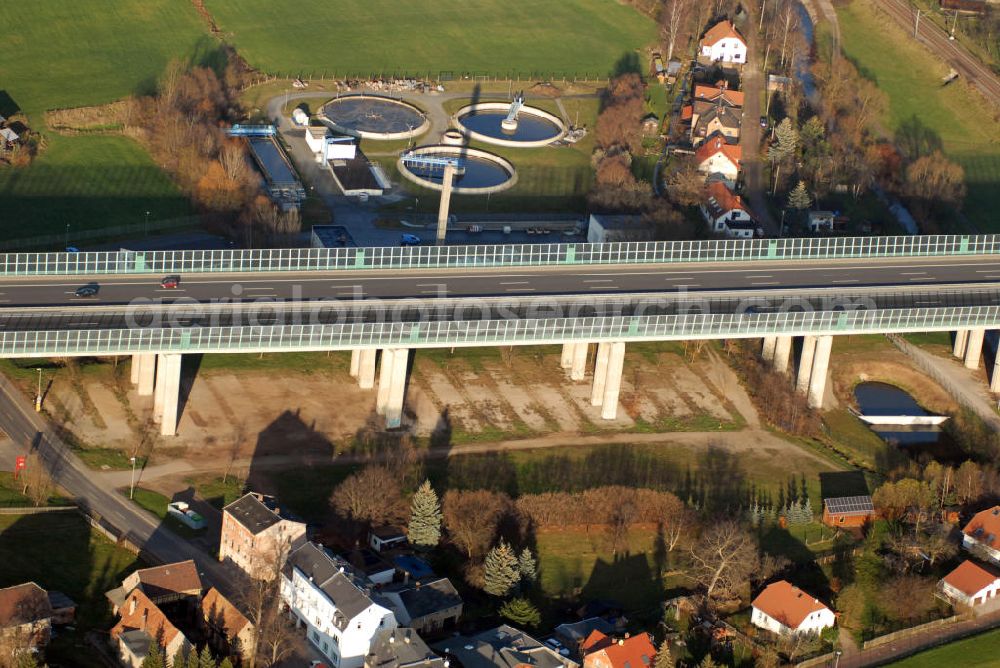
<point x="392" y="639"/>
<point x="621" y="641"/>
<point x="131" y="606"/>
<point x="626" y="635"/>
<point x="145" y="616"/>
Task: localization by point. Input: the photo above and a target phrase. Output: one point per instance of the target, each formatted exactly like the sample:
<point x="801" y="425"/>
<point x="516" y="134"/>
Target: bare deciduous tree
<point x="725" y="558"/>
<point x="371" y="496"/>
<point x="675" y="19"/>
<point x="471" y="518"/>
<point x="38" y="485"/>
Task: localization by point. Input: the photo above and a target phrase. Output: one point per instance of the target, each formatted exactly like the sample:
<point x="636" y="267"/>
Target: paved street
<point x="755" y="180"/>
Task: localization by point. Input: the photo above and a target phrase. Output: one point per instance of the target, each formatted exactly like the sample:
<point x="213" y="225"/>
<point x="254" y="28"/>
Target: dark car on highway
<point x="170" y="282"/>
<point x="89" y="290"/>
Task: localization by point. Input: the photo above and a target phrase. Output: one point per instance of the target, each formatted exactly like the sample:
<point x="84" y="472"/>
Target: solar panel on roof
<point x="847" y="505"/>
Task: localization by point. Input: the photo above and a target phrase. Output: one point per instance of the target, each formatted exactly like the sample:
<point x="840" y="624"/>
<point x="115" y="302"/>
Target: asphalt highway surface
<point x="426" y="284"/>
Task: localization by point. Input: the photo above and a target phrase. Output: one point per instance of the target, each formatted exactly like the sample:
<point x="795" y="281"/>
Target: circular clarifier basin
<point x="479" y="172"/>
<point x="487" y="122"/>
<point x="373" y="117"/>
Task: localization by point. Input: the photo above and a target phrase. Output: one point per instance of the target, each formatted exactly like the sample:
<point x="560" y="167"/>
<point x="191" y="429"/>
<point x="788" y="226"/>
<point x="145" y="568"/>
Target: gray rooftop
<point x="502" y="647"/>
<point x="425" y="598"/>
<point x="334" y="579"/>
<point x="249" y="511"/>
<point x="575" y="633"/>
<point x="137" y="641"/>
<point x="399" y="648"/>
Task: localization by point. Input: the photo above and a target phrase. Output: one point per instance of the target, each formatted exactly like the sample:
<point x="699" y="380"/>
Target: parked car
<point x="89" y="290"/>
<point x="72" y="249"/>
<point x="170" y="282"/>
<point x="763" y="121"/>
<point x="409" y="240"/>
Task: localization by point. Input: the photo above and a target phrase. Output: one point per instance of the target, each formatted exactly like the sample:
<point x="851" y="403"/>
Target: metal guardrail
<point x="438" y="257"/>
<point x="489" y="332"/>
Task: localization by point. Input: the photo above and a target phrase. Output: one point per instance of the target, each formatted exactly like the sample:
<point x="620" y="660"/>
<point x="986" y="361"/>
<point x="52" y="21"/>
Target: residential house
<point x="227" y="629"/>
<point x="63" y="608"/>
<point x="725" y="212"/>
<point x="502" y="647"/>
<point x="821" y="221"/>
<point x="571" y="635"/>
<point x="722" y="43"/>
<point x="333" y="604"/>
<point x="602" y="651"/>
<point x="427" y="606"/>
<point x="719" y="160"/>
<point x="141" y="623"/>
<point x="971" y="584"/>
<point x="710" y="119"/>
<point x="604" y="229"/>
<point x="409" y="567"/>
<point x="25" y="615"/>
<point x="401" y="648"/>
<point x="384" y="538"/>
<point x="8" y="138"/>
<point x="784" y="608"/>
<point x="255" y="536"/>
<point x="982" y="534"/>
<point x="848" y="511"/>
<point x="168" y="583"/>
<point x="650" y="124"/>
<point x="720" y="93"/>
<point x="369" y="563"/>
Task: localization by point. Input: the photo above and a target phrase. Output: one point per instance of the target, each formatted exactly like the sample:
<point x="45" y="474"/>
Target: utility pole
<point x="131" y="487"/>
<point x="38" y="397"/>
<point x="916" y="25"/>
<point x="954" y="25"/>
<point x="760" y="26"/>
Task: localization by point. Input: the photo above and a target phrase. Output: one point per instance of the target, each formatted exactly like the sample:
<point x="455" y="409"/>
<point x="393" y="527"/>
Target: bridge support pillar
<point x="995" y="378"/>
<point x="974" y="348"/>
<point x="384" y="380"/>
<point x="396" y="360"/>
<point x="578" y="369"/>
<point x="961" y="337"/>
<point x="600" y="373"/>
<point x="144" y="372"/>
<point x="566" y="358"/>
<point x="355" y="363"/>
<point x="366" y="368"/>
<point x="613" y="380"/>
<point x="805" y="364"/>
<point x="782" y="353"/>
<point x="168" y="390"/>
<point x="820" y="366"/>
<point x="770" y="343"/>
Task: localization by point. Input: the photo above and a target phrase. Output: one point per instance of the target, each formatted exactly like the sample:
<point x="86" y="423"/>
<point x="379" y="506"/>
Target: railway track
<point x="967" y="65"/>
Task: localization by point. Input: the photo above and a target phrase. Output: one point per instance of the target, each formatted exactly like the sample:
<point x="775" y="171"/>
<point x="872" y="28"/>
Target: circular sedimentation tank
<point x="373" y="117"/>
<point x="482" y="172"/>
<point x="487" y="122"/>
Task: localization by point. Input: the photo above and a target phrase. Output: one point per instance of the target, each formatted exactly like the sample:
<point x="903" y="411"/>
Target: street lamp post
<point x="145" y="230"/>
<point x="38" y="397"/>
<point x="836" y="658"/>
<point x="67" y="236"/>
<point x="131" y="486"/>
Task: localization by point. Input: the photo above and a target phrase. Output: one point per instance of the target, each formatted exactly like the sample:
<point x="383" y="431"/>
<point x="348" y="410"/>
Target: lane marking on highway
<point x="847" y="280"/>
<point x="766" y="283"/>
<point x="923" y="278"/>
<point x="589" y="280"/>
<point x="760" y="276"/>
<point x="514" y="282"/>
<point x="993" y="276"/>
<point x="678" y="278"/>
<point x="263" y="287"/>
<point x="602" y="287"/>
<point x="520" y="289"/>
<point x="913" y="273"/>
<point x="177" y="290"/>
<point x="425" y="285"/>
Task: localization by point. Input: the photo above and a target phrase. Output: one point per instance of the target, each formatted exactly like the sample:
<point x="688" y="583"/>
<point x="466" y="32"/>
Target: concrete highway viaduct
<point x="384" y="303"/>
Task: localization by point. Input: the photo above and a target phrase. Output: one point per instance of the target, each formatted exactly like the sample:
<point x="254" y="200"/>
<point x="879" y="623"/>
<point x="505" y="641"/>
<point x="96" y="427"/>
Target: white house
<point x="725" y="212"/>
<point x="982" y="534"/>
<point x="719" y="160"/>
<point x="783" y="608"/>
<point x="333" y="605"/>
<point x="971" y="584"/>
<point x="722" y="43"/>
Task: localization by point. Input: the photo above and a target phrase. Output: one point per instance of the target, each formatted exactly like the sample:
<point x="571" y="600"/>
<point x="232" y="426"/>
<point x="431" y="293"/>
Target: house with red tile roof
<point x="142" y="624"/>
<point x="971" y="584"/>
<point x="723" y="43"/>
<point x="161" y="584"/>
<point x="229" y="631"/>
<point x="25" y="615"/>
<point x="718" y="94"/>
<point x="603" y="651"/>
<point x="719" y="160"/>
<point x="982" y="534"/>
<point x="725" y="212"/>
<point x="784" y="608"/>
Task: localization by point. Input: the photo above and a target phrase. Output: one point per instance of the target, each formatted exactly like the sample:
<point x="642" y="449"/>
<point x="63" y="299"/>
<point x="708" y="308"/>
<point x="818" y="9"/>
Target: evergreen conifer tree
<point x="799" y="197"/>
<point x="205" y="658"/>
<point x="425" y="517"/>
<point x="522" y="612"/>
<point x="501" y="573"/>
<point x="527" y="566"/>
<point x="664" y="659"/>
<point x="179" y="660"/>
<point x="154" y="657"/>
<point x="226" y="663"/>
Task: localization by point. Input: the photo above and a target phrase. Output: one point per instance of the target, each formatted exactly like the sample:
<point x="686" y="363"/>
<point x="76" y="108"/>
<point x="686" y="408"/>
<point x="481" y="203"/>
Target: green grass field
<point x="976" y="652"/>
<point x="957" y="117"/>
<point x="430" y="36"/>
<point x="66" y="54"/>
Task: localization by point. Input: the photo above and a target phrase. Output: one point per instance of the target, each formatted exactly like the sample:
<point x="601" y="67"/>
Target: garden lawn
<point x="429" y="36"/>
<point x="975" y="652"/>
<point x="955" y="116"/>
<point x="57" y="54"/>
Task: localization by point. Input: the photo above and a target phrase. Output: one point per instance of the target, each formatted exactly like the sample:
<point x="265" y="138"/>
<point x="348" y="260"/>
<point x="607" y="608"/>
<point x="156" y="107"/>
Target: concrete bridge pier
<point x="366" y="368"/>
<point x="566" y="359"/>
<point x="995" y="376"/>
<point x="770" y="343"/>
<point x="384" y="379"/>
<point x="820" y="367"/>
<point x="355" y="363"/>
<point x="600" y="373"/>
<point x="608" y="378"/>
<point x="144" y="373"/>
<point x="806" y="356"/>
<point x="578" y="368"/>
<point x="961" y="337"/>
<point x="392" y="385"/>
<point x="782" y="353"/>
<point x="166" y="398"/>
<point x="974" y="347"/>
